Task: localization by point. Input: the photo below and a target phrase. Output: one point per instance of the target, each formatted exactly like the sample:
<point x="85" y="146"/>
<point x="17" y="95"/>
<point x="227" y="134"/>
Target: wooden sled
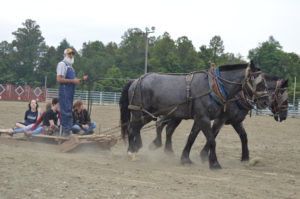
<point x="66" y="144"/>
<point x="104" y="141"/>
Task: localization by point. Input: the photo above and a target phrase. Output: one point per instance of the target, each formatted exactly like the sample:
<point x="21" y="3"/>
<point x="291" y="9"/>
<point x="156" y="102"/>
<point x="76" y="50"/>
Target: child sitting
<point x="50" y="121"/>
<point x="81" y="119"/>
<point x="30" y="127"/>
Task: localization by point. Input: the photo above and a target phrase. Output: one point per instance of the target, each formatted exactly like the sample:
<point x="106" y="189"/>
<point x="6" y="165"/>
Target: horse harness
<point x="255" y="81"/>
<point x="188" y="101"/>
<point x="280" y="96"/>
<point x="216" y="91"/>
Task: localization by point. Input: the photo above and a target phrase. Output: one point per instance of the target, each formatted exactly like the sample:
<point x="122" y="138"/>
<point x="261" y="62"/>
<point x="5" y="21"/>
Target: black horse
<point x="155" y="95"/>
<point x="234" y="115"/>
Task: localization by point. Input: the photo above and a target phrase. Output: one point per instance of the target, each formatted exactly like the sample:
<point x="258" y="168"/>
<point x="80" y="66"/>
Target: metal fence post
<point x="101" y="98"/>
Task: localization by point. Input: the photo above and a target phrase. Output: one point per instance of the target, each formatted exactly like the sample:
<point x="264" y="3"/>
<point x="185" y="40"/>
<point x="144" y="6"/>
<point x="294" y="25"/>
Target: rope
<point x="225" y="80"/>
<point x="117" y="129"/>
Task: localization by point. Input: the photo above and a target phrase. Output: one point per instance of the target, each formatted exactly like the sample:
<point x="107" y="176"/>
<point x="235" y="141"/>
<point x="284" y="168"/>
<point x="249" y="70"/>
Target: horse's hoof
<point x="169" y="152"/>
<point x="186" y="161"/>
<point x="131" y="156"/>
<point x="245" y="159"/>
<point x="215" y="166"/>
<point x="204" y="156"/>
<point x="255" y="161"/>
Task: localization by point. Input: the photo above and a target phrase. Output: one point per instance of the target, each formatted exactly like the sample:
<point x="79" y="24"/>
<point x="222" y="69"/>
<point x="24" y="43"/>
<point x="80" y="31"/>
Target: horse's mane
<point x="232" y="67"/>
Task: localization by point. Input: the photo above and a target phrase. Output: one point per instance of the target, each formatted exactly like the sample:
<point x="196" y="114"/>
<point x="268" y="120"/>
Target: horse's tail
<point x="125" y="112"/>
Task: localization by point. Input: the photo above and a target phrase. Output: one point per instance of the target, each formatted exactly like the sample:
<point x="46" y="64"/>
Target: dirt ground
<point x="39" y="170"/>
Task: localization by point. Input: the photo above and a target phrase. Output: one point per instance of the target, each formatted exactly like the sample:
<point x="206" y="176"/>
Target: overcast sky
<point x="242" y="25"/>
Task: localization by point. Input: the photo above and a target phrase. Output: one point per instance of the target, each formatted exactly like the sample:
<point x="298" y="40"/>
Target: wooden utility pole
<point x="146" y="47"/>
<point x="294" y="97"/>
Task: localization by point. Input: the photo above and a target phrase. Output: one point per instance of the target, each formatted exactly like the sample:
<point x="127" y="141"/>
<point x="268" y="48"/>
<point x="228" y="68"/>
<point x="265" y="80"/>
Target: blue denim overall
<point x="66" y="95"/>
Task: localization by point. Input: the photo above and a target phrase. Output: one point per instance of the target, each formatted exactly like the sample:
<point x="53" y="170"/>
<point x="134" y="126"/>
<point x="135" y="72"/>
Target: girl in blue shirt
<point x="31" y="115"/>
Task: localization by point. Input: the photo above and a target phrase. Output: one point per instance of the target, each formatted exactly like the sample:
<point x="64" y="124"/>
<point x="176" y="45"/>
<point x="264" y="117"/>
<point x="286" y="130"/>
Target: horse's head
<point x="255" y="87"/>
<point x="279" y="100"/>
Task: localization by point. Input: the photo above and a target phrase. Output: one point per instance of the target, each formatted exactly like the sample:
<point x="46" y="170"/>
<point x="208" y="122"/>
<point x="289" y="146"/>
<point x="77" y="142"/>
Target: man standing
<point x="67" y="78"/>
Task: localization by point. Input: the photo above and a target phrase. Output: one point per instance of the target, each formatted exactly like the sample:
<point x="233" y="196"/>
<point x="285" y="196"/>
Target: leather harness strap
<point x="218" y="94"/>
<point x="189" y="101"/>
<point x="215" y="90"/>
<point x="280" y="98"/>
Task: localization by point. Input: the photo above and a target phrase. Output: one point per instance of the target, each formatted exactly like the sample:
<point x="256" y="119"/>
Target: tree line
<point x="28" y="59"/>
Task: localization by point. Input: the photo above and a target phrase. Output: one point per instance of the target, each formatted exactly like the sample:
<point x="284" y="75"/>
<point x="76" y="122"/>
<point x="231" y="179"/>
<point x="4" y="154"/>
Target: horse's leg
<point x="239" y="128"/>
<point x="217" y="125"/>
<point x="185" y="159"/>
<point x="157" y="141"/>
<point x="172" y="125"/>
<point x="138" y="139"/>
<point x="134" y="137"/>
<point x="210" y="138"/>
<point x="134" y="128"/>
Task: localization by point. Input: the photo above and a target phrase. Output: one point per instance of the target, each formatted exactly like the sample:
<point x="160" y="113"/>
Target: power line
<point x="113" y="79"/>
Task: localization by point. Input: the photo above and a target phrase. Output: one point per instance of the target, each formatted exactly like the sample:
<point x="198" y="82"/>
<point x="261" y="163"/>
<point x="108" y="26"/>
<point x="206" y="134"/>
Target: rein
<point x="172" y="108"/>
<point x="255" y="80"/>
<point x="219" y="92"/>
<point x="245" y="103"/>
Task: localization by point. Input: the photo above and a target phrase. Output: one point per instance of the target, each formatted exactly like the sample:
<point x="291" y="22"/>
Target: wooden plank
<point x="4" y="130"/>
<point x="98" y="136"/>
<point x="50" y="136"/>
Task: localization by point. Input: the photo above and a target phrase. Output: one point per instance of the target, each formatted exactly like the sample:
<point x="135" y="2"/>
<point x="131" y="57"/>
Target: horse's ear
<point x="285" y="83"/>
<point x="254" y="67"/>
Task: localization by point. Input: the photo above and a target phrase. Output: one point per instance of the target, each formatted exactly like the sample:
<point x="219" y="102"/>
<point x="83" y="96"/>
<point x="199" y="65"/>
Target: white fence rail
<point x="291" y="112"/>
<point x="97" y="97"/>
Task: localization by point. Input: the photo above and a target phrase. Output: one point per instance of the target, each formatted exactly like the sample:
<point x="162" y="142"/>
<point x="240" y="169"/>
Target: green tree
<point x="28" y="49"/>
<point x="206" y="55"/>
<point x="230" y="58"/>
<point x="113" y="80"/>
<point x="270" y="57"/>
<point x="131" y="53"/>
<point x="112" y="49"/>
<point x="47" y="68"/>
<point x="95" y="61"/>
<point x="293" y="66"/>
<point x="188" y="57"/>
<point x="163" y="56"/>
<point x="7" y="75"/>
<point x="216" y="44"/>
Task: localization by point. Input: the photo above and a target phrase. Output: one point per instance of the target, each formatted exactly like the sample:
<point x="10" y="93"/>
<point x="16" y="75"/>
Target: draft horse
<point x="154" y="95"/>
<point x="234" y="115"/>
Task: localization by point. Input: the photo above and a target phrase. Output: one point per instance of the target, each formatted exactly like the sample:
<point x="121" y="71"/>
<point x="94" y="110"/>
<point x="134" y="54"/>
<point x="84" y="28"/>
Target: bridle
<point x="250" y="83"/>
<point x="249" y="87"/>
<point x="280" y="96"/>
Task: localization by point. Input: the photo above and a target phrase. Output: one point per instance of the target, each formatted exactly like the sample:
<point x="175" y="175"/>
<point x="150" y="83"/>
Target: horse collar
<point x="218" y="92"/>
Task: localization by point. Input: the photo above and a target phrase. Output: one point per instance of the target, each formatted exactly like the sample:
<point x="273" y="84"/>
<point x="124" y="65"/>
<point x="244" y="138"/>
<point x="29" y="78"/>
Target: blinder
<point x="252" y="80"/>
<point x="281" y="96"/>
